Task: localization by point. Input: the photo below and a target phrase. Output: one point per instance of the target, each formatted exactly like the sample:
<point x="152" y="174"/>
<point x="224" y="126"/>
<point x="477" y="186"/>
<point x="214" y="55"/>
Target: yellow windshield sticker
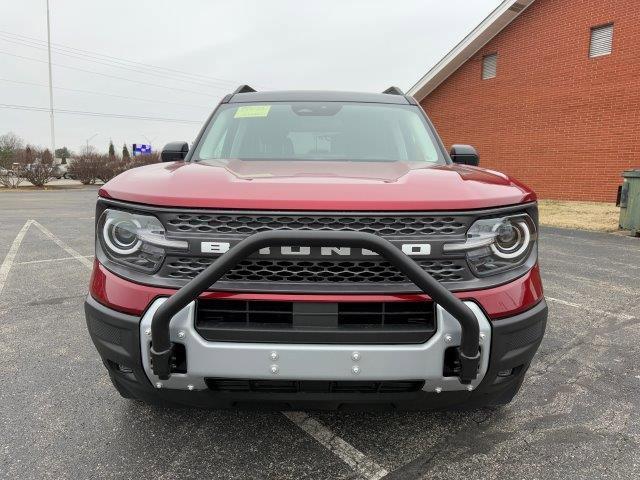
<point x="252" y="111"/>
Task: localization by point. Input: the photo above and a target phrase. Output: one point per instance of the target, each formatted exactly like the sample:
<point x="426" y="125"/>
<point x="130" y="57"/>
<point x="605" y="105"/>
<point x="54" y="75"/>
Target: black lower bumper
<point x="514" y="343"/>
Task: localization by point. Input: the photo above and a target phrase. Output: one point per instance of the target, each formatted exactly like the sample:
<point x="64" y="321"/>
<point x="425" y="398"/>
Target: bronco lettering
<point x="410" y="249"/>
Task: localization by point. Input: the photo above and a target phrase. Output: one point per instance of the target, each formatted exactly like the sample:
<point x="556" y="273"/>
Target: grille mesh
<point x="252" y="313"/>
<point x="312" y="272"/>
<point x="316" y="271"/>
<point x="312" y="386"/>
<point x="105" y="331"/>
<point x="247" y="224"/>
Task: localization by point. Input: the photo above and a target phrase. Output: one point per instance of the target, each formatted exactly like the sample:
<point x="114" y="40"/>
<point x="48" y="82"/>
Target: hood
<point x="321" y="185"/>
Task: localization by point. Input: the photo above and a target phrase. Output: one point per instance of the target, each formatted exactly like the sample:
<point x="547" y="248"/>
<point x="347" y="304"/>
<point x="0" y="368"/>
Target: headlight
<point x="497" y="244"/>
<point x="512" y="238"/>
<point x="121" y="235"/>
<point x="134" y="240"/>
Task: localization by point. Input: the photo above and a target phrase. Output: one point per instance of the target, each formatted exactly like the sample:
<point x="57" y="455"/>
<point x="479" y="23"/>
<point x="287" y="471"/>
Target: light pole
<point x="148" y="139"/>
<point x="90" y="138"/>
<point x="53" y="134"/>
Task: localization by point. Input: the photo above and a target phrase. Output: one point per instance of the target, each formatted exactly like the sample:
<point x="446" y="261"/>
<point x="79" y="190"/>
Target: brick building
<point x="547" y="91"/>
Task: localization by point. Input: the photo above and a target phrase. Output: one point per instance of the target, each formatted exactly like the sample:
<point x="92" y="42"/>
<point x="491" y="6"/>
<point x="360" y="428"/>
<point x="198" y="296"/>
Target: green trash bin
<point x="630" y="202"/>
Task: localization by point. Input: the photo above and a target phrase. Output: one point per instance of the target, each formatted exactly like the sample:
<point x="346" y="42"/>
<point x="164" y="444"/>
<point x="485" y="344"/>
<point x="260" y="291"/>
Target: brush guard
<point x="161" y="352"/>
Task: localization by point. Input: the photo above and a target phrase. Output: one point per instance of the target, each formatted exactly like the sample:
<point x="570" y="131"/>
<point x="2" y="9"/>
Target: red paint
<point x="128" y="297"/>
<point x="336" y="186"/>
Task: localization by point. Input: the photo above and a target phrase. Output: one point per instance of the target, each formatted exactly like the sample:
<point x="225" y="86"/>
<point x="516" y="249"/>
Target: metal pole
<point x="91" y="138"/>
<point x="53" y="135"/>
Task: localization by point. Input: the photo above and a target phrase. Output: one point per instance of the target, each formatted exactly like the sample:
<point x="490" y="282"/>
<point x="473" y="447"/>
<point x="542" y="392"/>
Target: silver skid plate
<point x="313" y="362"/>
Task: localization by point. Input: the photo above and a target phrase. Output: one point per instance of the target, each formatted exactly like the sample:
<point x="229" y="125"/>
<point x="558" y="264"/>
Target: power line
<point x="112" y="64"/>
<point x="107" y="75"/>
<point x="102" y="94"/>
<point x="122" y="60"/>
<point x="97" y="114"/>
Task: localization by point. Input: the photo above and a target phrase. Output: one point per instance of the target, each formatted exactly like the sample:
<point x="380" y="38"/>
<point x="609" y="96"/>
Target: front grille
<point x="318" y="273"/>
<point x="308" y="322"/>
<point x="364" y="314"/>
<point x="312" y="386"/>
<point x="247" y="224"/>
<point x="317" y="268"/>
<point x="315" y="271"/>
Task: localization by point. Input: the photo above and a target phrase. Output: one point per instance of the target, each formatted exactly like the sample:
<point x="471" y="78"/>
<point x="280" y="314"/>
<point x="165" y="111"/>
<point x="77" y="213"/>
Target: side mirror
<point x="464" y="155"/>
<point x="174" y="151"/>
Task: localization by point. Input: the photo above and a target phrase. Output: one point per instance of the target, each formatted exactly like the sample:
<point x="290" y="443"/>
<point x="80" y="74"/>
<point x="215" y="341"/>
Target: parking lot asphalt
<point x="576" y="416"/>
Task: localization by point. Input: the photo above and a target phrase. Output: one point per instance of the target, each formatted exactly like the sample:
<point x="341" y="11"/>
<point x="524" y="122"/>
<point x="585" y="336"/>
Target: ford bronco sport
<point x="316" y="249"/>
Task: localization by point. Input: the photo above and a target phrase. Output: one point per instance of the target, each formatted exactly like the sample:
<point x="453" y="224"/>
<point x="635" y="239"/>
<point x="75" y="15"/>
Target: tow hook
<point x="469" y="368"/>
<point x="161" y="363"/>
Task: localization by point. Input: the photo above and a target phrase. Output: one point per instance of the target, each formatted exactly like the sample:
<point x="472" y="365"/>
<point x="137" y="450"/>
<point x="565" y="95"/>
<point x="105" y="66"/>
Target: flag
<point x="141" y="149"/>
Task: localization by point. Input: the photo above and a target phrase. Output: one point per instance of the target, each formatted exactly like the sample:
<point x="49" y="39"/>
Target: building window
<point x="489" y="66"/>
<point x="601" y="41"/>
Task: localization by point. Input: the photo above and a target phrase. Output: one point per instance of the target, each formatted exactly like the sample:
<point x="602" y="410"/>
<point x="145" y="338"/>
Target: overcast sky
<point x="277" y="44"/>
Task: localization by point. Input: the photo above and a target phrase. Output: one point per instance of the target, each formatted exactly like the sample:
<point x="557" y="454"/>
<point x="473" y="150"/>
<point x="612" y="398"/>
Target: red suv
<point x="316" y="249"/>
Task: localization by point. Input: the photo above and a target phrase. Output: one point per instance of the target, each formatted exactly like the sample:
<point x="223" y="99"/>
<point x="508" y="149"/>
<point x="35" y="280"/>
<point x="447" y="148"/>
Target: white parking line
<point x="46" y="260"/>
<point x="621" y="316"/>
<point x="74" y="253"/>
<point x="353" y="457"/>
<point x="11" y="254"/>
<point x="350" y="455"/>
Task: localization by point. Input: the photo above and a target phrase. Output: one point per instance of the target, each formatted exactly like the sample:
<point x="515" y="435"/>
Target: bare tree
<point x="109" y="167"/>
<point x="141" y="160"/>
<point x="86" y="166"/>
<point x="37" y="166"/>
<point x="10" y="178"/>
<point x="10" y="144"/>
<point x="10" y="171"/>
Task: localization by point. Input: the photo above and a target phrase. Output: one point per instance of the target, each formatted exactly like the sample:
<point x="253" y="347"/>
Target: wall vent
<point x="601" y="41"/>
<point x="489" y="66"/>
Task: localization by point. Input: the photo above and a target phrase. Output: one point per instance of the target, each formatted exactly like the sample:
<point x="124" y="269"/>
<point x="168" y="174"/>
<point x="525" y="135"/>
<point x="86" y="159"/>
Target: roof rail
<point x="244" y="89"/>
<point x="393" y="91"/>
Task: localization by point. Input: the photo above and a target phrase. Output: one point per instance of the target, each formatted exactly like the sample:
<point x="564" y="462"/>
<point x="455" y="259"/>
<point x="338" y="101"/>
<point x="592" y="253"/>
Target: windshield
<point x="358" y="132"/>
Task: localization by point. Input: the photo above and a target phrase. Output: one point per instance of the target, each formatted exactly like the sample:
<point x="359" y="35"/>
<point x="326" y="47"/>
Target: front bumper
<point x="270" y="361"/>
<point x="507" y="349"/>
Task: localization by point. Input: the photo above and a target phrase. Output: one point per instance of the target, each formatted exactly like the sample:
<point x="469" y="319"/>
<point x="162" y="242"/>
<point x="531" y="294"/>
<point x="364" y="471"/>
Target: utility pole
<point x="53" y="134"/>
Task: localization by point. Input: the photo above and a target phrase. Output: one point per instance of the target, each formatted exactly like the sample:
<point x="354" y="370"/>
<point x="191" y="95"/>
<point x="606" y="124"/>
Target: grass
<point x="597" y="216"/>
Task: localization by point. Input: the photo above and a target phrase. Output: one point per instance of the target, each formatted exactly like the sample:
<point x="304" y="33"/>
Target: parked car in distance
<point x="60" y="171"/>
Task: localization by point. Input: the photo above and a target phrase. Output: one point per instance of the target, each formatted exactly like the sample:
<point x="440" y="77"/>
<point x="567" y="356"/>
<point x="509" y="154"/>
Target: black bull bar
<point x="161" y="348"/>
